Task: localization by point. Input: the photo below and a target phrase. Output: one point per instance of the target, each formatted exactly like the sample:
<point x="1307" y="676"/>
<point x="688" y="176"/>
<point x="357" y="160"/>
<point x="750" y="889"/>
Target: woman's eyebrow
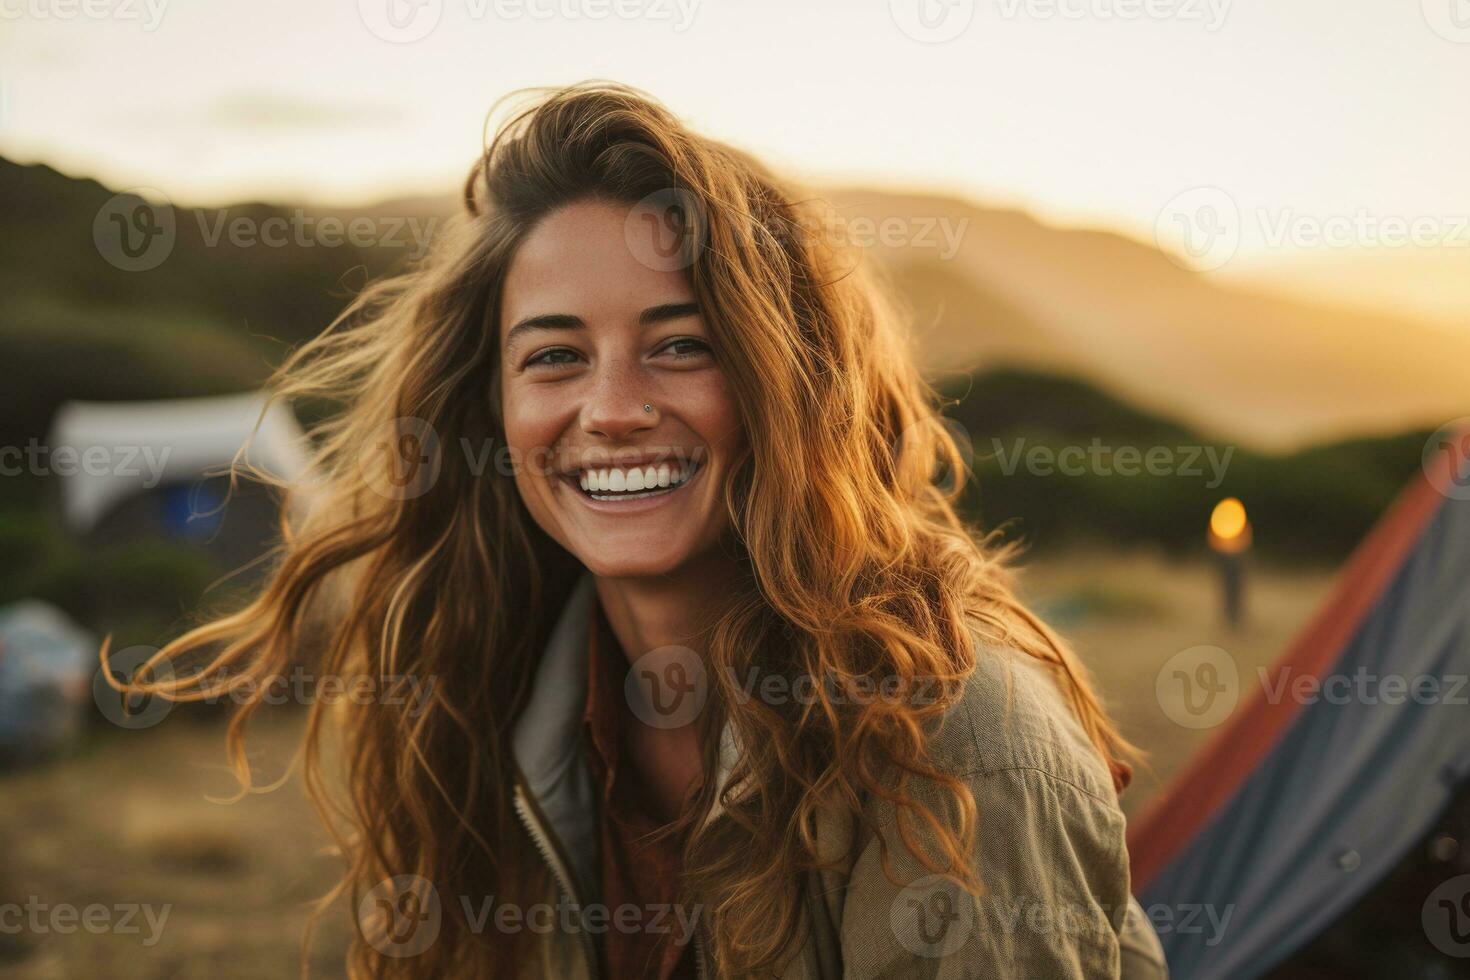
<point x="546" y="321"/>
<point x="667" y="311"/>
<point x="566" y="321"/>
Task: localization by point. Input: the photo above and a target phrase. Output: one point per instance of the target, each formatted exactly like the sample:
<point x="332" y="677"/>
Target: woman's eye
<point x="554" y="357"/>
<point x="686" y="347"/>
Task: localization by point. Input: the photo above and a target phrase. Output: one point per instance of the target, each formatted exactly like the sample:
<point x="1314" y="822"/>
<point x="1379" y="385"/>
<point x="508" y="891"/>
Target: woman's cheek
<point x="533" y="424"/>
<point x="720" y="416"/>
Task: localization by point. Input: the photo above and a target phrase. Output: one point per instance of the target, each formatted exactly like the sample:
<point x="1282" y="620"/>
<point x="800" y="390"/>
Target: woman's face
<point x="590" y="334"/>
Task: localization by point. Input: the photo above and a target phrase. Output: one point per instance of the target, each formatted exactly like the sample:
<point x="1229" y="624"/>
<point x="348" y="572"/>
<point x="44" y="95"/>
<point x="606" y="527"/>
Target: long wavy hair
<point x="859" y="567"/>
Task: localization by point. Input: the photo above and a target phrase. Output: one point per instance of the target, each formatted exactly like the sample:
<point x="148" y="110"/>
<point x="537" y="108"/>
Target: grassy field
<point x="127" y="819"/>
<point x="1126" y="616"/>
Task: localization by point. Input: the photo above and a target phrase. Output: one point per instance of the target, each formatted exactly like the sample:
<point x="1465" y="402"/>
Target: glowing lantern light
<point x="1230" y="539"/>
<point x="1230" y="531"/>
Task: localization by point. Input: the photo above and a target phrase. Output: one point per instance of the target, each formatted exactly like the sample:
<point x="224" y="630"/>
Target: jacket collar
<point x="547" y="741"/>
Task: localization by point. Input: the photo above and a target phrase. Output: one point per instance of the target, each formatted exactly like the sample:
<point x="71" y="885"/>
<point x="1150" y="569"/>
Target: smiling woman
<point x="722" y="686"/>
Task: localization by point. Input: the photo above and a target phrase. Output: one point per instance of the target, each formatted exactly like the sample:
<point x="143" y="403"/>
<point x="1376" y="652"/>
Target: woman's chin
<point x="632" y="566"/>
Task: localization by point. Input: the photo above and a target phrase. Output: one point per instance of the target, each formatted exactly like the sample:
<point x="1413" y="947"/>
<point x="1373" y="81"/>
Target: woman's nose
<point x="614" y="406"/>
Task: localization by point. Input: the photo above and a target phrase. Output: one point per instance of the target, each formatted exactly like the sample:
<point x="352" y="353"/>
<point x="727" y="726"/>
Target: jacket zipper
<point x="542" y="839"/>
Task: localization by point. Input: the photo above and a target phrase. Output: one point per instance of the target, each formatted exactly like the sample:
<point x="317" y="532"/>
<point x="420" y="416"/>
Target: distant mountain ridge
<point x="1254" y="366"/>
<point x="1239" y="365"/>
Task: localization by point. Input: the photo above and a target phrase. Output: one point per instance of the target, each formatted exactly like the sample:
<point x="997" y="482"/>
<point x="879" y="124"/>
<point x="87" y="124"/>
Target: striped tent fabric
<point x="1300" y="804"/>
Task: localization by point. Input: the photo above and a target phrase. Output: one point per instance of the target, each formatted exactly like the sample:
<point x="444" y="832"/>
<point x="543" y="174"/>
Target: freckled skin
<point x="589" y="386"/>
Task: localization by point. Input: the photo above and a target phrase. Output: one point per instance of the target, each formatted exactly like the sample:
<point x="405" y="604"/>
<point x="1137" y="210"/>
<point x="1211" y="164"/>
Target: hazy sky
<point x="1093" y="112"/>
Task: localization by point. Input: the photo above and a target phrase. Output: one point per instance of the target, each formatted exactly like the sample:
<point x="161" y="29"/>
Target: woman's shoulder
<point x="1015" y="717"/>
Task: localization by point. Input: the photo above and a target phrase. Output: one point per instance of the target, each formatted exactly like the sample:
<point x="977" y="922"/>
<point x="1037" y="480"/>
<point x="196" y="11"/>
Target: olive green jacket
<point x="1050" y="853"/>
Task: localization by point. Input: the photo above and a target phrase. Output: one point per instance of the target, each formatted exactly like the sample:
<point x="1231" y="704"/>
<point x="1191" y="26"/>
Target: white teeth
<point x="634" y="479"/>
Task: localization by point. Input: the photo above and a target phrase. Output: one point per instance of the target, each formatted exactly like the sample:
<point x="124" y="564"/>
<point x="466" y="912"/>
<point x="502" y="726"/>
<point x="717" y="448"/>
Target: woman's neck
<point x="649" y="612"/>
<point x="645" y="614"/>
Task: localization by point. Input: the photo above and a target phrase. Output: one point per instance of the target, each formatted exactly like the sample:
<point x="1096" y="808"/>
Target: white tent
<point x="104" y="452"/>
<point x="46" y="665"/>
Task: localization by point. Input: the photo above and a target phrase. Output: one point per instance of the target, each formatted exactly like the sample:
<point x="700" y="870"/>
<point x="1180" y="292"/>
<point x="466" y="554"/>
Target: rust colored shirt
<point x="634" y="871"/>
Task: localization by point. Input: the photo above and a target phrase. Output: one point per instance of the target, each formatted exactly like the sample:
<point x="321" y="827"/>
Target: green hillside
<point x="1312" y="505"/>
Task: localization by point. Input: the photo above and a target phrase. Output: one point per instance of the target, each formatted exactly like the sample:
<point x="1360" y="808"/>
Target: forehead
<point x="577" y="261"/>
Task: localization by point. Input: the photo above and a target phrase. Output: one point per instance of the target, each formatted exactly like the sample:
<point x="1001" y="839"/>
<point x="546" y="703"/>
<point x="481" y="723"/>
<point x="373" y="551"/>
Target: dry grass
<point x="1126" y="616"/>
<point x="127" y="820"/>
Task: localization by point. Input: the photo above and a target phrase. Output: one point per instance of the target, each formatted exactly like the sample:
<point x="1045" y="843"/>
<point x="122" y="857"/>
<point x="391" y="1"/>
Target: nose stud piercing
<point x="647" y="408"/>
